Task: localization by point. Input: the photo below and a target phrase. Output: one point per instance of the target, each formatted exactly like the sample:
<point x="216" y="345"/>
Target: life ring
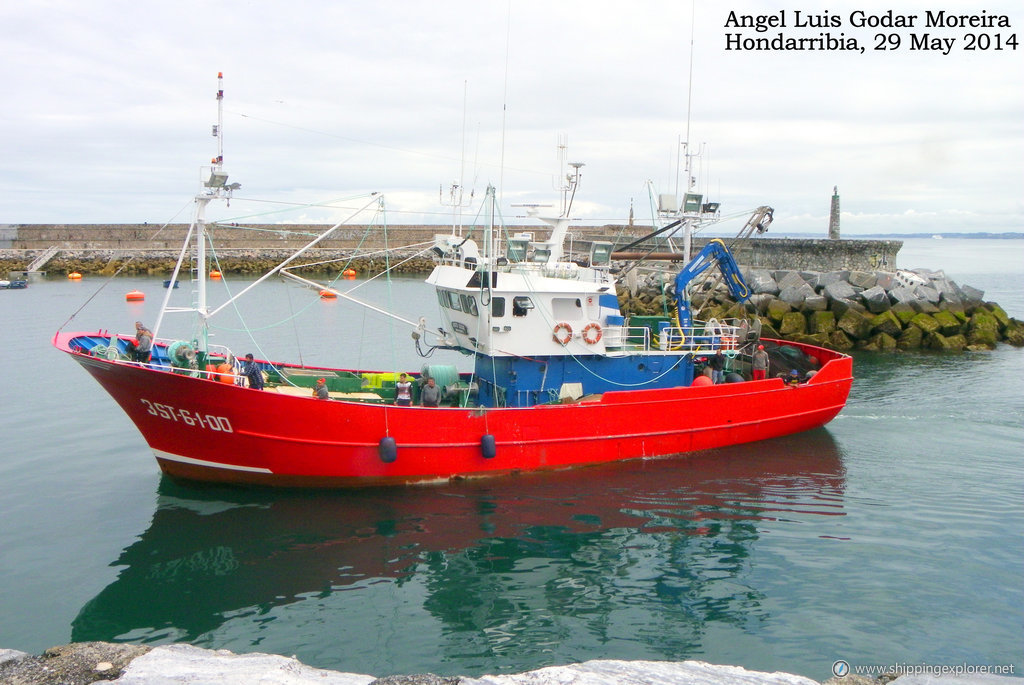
<point x="560" y="338"/>
<point x="586" y="333"/>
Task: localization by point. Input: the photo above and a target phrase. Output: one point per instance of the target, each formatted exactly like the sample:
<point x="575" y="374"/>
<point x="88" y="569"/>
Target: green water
<point x="895" y="535"/>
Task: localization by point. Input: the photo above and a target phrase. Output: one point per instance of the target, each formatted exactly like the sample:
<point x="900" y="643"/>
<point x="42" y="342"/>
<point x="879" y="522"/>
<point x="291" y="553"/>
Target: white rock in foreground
<point x="642" y="673"/>
<point x="188" y="665"/>
<point x="179" y="664"/>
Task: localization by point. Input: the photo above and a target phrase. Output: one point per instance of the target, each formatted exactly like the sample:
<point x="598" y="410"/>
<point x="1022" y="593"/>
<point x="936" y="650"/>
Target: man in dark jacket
<point x="252" y="371"/>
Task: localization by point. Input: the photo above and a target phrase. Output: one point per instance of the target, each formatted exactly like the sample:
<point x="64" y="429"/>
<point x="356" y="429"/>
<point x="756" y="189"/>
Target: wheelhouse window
<point x="497" y="307"/>
<point x="460" y="302"/>
<point x="521" y="305"/>
<point x="468" y="304"/>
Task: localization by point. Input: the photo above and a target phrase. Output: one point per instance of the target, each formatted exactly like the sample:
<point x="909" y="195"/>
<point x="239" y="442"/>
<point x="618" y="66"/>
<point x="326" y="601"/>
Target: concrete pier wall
<point x="21" y="242"/>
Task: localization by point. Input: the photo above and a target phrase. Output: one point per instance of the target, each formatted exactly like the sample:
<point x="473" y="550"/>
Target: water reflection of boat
<point x="213" y="554"/>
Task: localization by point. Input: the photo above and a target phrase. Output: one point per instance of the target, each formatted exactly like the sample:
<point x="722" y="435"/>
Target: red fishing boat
<point x="560" y="377"/>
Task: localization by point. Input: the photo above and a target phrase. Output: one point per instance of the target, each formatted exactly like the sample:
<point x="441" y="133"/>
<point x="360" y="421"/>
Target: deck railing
<point x="703" y="337"/>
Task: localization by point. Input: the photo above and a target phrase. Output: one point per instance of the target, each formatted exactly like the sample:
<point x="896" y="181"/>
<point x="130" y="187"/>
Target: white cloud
<point x="110" y="104"/>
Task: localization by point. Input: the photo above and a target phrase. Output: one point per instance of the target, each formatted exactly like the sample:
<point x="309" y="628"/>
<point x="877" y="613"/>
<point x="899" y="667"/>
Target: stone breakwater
<point x="842" y="310"/>
<point x="239" y="261"/>
<point x="845" y="310"/>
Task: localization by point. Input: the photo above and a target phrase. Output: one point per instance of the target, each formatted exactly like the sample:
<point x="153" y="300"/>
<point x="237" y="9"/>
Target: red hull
<point x="209" y="431"/>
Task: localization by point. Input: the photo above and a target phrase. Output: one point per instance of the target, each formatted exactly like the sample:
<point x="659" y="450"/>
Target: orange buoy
<point x="75" y="276"/>
<point x="327" y="295"/>
<point x="701" y="380"/>
<point x="135" y="296"/>
<point x="349" y="273"/>
<point x="215" y="274"/>
<point x="226" y="373"/>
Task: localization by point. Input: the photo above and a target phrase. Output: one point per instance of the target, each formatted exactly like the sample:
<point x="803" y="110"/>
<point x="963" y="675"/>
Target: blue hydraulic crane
<point x="715" y="252"/>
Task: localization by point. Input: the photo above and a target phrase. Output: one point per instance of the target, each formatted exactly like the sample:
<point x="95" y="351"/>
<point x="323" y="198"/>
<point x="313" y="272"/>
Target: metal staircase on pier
<point x="40" y="261"/>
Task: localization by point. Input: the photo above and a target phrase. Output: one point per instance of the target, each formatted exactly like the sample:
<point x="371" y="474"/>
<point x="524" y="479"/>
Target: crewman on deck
<point x="252" y="371"/>
<point x="139" y="350"/>
<point x="759" y="364"/>
<point x="403" y="391"/>
<point x="430" y="394"/>
<point x="320" y="391"/>
<point x="717" y="364"/>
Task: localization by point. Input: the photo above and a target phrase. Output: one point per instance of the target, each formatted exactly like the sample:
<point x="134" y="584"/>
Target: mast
<point x="688" y="224"/>
<point x="555" y="244"/>
<point x="214" y="186"/>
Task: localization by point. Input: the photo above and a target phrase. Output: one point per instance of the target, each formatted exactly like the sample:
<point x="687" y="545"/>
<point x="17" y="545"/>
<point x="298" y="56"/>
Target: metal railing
<point x="702" y="337"/>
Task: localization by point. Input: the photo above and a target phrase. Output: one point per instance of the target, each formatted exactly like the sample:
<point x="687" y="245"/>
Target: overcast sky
<point x="108" y="106"/>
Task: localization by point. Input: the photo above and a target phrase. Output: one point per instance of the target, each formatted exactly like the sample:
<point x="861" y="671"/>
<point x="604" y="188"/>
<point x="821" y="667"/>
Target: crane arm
<point x="715" y="252"/>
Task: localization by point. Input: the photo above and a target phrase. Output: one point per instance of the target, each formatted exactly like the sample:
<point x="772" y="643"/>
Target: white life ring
<point x="562" y="333"/>
<point x="587" y="338"/>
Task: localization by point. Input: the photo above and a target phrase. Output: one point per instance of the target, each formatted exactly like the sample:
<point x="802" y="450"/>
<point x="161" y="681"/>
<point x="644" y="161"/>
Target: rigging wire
<point x="121" y="268"/>
<point x="298" y="338"/>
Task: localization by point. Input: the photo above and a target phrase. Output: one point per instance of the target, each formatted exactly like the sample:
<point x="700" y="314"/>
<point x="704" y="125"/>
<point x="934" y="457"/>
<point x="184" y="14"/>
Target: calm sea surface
<point x="894" y="535"/>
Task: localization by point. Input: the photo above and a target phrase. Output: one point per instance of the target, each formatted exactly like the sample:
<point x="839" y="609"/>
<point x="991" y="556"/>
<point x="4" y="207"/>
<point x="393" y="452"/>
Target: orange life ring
<point x="562" y="339"/>
<point x="586" y="333"/>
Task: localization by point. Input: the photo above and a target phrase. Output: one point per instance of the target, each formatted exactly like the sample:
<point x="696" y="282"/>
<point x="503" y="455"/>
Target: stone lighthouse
<point x="833" y="219"/>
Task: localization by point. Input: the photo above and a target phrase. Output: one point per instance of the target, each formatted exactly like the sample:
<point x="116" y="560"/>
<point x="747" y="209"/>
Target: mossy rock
<point x="887" y="323"/>
<point x="957" y="343"/>
<point x="983" y="328"/>
<point x="1014" y="333"/>
<point x="768" y="329"/>
<point x="816" y="339"/>
<point x="883" y="342"/>
<point x="717" y="312"/>
<point x="1000" y="315"/>
<point x="778" y="309"/>
<point x="911" y="339"/>
<point x="793" y="323"/>
<point x="854" y="324"/>
<point x="940" y="343"/>
<point x="926" y="323"/>
<point x="736" y="311"/>
<point x="837" y="340"/>
<point x="904" y="312"/>
<point x="985" y="337"/>
<point x="821" y="322"/>
<point x="948" y="323"/>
